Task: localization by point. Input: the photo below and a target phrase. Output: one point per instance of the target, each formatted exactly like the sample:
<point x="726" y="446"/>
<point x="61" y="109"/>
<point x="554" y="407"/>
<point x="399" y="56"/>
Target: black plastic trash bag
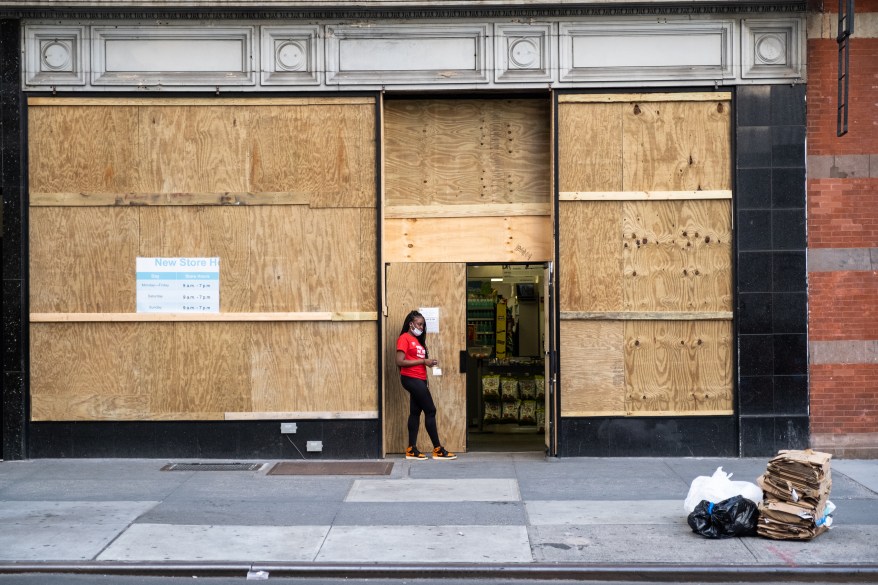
<point x="736" y="516"/>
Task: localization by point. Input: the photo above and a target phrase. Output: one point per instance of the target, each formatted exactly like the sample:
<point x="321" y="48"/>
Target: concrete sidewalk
<point x="491" y="510"/>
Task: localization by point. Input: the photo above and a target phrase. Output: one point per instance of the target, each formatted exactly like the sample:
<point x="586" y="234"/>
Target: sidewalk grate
<point x="332" y="468"/>
<point x="212" y="467"/>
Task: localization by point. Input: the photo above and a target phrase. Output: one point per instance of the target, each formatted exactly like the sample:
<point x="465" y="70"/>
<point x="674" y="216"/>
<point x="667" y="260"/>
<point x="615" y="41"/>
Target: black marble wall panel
<point x="771" y="276"/>
<point x="342" y="439"/>
<point x="13" y="403"/>
<point x="648" y="437"/>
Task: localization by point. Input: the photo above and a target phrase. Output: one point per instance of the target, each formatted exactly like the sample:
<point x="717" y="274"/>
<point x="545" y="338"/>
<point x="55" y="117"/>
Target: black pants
<point x="421" y="401"/>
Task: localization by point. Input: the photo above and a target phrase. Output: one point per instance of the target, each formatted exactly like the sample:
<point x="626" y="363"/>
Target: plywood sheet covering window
<point x="461" y="170"/>
<point x="113" y="180"/>
<point x="200" y="371"/>
<point x="644" y="281"/>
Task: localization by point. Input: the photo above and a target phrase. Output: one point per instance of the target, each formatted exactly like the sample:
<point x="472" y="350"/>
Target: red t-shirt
<point x="413" y="350"/>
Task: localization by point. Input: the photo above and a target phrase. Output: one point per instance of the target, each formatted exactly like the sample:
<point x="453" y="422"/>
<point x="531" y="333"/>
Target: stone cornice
<point x="389" y="11"/>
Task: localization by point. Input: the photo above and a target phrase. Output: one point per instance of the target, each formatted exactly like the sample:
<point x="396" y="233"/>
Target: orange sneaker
<point x="413" y="453"/>
<point x="440" y="453"/>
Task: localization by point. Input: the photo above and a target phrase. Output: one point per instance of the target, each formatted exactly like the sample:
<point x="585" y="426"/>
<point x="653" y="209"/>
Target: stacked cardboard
<point x="795" y="503"/>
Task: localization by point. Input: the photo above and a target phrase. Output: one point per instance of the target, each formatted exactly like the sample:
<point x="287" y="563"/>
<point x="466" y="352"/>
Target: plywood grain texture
<point x="82" y="259"/>
<point x="298" y="367"/>
<point x="409" y="287"/>
<point x="676" y="146"/>
<point x="477" y="239"/>
<point x="328" y="151"/>
<point x="677" y="256"/>
<point x="466" y="151"/>
<point x="643" y="257"/>
<point x="283" y="193"/>
<point x="678" y="367"/>
<point x="590" y="267"/>
<point x="592" y="372"/>
<point x="180" y="152"/>
<point x="590" y="147"/>
<point x="66" y="154"/>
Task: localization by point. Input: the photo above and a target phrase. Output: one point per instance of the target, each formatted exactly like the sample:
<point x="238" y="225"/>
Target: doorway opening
<point x="505" y="363"/>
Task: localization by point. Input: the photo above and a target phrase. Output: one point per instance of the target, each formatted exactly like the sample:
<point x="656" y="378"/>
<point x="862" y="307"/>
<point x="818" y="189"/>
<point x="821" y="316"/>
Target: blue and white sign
<point x="178" y="285"/>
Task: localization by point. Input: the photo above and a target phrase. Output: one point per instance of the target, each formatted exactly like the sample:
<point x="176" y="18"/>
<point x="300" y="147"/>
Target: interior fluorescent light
<point x="496" y="280"/>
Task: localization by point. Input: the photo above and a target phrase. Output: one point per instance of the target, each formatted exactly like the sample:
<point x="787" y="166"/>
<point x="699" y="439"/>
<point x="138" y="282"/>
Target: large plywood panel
<point x="327" y="150"/>
<point x="676" y="146"/>
<point x="677" y="255"/>
<point x="204" y="232"/>
<point x="446" y="152"/>
<point x="102" y="371"/>
<point x="297" y="367"/>
<point x="678" y="367"/>
<point x="410" y="287"/>
<point x="590" y="147"/>
<point x="212" y="371"/>
<point x="82" y="259"/>
<point x="460" y="239"/>
<point x="191" y="149"/>
<point x="339" y="260"/>
<point x="67" y="153"/>
<point x="277" y="278"/>
<point x="592" y="368"/>
<point x="590" y="245"/>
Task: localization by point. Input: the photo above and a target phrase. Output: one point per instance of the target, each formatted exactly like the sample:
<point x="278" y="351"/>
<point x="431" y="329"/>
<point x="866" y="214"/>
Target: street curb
<point x="669" y="573"/>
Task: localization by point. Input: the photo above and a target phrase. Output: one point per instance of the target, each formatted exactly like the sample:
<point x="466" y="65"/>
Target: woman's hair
<point x="422" y="338"/>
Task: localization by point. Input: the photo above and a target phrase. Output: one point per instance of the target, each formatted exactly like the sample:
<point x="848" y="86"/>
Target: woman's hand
<point x="431" y="362"/>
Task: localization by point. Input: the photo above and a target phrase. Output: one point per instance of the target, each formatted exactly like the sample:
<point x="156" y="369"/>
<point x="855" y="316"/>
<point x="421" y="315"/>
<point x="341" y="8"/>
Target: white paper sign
<point x="178" y="285"/>
<point x="431" y="318"/>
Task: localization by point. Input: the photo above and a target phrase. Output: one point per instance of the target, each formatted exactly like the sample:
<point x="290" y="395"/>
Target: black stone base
<point x="648" y="437"/>
<point x="342" y="439"/>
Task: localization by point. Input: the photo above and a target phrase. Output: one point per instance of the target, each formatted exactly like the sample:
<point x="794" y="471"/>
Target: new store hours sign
<point x="178" y="285"/>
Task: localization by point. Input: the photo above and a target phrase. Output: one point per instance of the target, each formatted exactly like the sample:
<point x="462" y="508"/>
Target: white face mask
<point x="417" y="332"/>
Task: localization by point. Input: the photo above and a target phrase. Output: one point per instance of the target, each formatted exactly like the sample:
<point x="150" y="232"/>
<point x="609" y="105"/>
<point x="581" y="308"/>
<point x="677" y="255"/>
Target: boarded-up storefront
<point x="466" y="180"/>
<point x="282" y="191"/>
<point x="645" y="240"/>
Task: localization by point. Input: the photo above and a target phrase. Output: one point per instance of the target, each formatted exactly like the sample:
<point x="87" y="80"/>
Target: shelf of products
<point x="513" y="395"/>
<point x="481" y="325"/>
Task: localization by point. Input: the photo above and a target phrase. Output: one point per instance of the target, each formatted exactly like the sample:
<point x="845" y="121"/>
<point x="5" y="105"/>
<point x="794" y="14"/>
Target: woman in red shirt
<point x="412" y="360"/>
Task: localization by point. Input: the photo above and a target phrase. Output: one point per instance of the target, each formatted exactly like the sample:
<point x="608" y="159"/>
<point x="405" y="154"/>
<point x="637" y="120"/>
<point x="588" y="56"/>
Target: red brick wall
<point x="862" y="134"/>
<point x="843" y="306"/>
<point x="843" y="398"/>
<point x="843" y="213"/>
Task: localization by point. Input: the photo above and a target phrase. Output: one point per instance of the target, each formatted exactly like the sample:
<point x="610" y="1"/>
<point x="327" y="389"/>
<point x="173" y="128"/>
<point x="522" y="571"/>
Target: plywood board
<point x="298" y="367"/>
<point x="409" y="287"/>
<point x="191" y="149"/>
<point x="679" y="368"/>
<point x="82" y="259"/>
<point x="100" y="371"/>
<point x="211" y="152"/>
<point x="67" y="154"/>
<point x="590" y="246"/>
<point x="675" y="146"/>
<point x="592" y="368"/>
<point x="590" y="147"/>
<point x="203" y="232"/>
<point x="328" y="151"/>
<point x="478" y="239"/>
<point x="466" y="151"/>
<point x="676" y="255"/>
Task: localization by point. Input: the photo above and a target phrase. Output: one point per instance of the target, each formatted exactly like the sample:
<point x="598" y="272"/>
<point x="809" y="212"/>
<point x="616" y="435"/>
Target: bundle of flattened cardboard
<point x="795" y="489"/>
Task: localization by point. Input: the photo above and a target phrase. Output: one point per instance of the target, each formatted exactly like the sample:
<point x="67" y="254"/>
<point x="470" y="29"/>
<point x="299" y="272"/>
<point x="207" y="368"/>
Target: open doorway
<point x="505" y="368"/>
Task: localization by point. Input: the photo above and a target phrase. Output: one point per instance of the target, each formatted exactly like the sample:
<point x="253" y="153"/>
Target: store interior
<point x="505" y="366"/>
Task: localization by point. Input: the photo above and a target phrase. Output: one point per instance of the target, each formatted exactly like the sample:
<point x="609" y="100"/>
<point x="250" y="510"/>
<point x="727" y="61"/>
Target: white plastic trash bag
<point x="719" y="487"/>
